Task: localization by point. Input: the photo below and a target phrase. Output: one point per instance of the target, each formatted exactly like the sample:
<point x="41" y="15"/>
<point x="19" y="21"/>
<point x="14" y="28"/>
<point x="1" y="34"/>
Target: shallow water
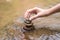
<point x="13" y="32"/>
<point x="12" y="9"/>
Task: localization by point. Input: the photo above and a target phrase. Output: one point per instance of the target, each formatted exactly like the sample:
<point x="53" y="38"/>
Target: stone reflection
<point x="13" y="32"/>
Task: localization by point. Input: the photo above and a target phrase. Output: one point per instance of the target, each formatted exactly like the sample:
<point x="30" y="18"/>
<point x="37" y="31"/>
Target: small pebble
<point x="43" y="37"/>
<point x="58" y="35"/>
<point x="50" y="38"/>
<point x="55" y="37"/>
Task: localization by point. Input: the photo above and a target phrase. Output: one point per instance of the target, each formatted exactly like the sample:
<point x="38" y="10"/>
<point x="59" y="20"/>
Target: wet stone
<point x="55" y="37"/>
<point x="43" y="37"/>
<point x="58" y="35"/>
<point x="50" y="38"/>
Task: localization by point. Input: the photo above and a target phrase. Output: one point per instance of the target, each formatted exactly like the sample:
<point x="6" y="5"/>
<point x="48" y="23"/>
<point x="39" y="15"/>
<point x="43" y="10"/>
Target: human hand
<point x="40" y="12"/>
<point x="29" y="12"/>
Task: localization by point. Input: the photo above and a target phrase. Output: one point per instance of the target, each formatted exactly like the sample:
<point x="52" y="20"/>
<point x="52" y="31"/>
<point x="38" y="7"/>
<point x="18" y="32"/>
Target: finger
<point x="27" y="15"/>
<point x="33" y="17"/>
<point x="29" y="12"/>
<point x="35" y="9"/>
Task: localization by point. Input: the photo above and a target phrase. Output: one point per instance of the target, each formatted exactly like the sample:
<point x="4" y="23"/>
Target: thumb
<point x="33" y="17"/>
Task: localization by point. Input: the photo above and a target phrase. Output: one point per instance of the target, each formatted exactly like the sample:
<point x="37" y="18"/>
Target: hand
<point x="29" y="12"/>
<point x="40" y="12"/>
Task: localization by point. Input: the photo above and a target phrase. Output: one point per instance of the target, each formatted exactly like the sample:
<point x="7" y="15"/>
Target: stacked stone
<point x="28" y="25"/>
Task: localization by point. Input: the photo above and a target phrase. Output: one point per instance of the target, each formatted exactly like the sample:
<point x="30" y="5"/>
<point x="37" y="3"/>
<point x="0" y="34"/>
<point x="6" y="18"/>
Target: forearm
<point x="50" y="11"/>
<point x="46" y="12"/>
<point x="54" y="9"/>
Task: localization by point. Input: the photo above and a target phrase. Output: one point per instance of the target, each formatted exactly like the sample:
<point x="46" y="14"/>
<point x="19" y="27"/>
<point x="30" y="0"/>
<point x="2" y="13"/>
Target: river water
<point x="12" y="9"/>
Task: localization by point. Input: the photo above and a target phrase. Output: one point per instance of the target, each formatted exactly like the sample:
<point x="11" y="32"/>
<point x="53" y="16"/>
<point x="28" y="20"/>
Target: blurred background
<point x="12" y="9"/>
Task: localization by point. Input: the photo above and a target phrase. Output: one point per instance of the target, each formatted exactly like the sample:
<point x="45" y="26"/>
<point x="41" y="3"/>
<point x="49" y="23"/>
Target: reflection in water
<point x="13" y="32"/>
